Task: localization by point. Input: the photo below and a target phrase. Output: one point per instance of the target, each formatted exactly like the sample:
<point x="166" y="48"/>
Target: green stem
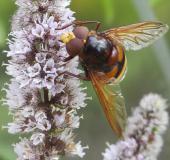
<point x="108" y="7"/>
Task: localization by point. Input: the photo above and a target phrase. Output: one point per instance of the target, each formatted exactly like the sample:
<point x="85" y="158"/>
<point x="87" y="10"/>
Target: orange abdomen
<point x="119" y="66"/>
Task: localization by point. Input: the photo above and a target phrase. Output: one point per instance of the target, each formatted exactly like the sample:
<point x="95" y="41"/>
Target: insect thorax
<point x="101" y="55"/>
<point x="96" y="53"/>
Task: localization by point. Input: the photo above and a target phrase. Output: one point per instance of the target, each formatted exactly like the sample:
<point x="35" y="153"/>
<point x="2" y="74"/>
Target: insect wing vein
<point x="136" y="36"/>
<point x="112" y="102"/>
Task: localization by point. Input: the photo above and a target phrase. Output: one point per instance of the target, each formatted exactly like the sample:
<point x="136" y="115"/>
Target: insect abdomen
<point x="119" y="68"/>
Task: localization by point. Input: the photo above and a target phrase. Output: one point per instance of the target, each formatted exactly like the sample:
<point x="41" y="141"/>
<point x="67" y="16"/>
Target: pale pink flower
<point x="37" y="94"/>
<point x="143" y="134"/>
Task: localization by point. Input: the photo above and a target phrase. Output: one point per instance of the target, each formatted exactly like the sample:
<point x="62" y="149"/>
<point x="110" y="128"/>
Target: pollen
<point x="66" y="37"/>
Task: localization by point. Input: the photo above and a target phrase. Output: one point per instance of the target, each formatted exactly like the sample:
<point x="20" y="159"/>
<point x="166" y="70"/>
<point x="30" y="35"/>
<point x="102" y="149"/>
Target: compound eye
<point x="74" y="47"/>
<point x="81" y="32"/>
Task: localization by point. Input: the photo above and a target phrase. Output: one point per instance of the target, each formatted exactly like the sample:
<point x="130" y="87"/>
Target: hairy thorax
<point x="100" y="55"/>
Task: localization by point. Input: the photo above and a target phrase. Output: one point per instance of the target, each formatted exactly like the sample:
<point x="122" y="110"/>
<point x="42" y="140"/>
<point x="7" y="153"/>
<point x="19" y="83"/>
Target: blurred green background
<point x="148" y="69"/>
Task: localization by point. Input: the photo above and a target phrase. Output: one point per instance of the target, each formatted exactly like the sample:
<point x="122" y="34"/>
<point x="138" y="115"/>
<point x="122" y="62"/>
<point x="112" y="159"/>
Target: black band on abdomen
<point x="120" y="66"/>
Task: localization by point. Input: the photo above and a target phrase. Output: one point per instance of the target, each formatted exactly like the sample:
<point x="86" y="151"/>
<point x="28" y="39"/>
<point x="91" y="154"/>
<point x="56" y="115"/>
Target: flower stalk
<point x="42" y="101"/>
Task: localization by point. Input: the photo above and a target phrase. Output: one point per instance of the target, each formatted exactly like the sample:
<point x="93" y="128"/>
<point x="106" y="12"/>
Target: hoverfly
<point x="104" y="61"/>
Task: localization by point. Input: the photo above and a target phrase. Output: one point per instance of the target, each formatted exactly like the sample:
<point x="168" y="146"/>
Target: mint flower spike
<point x="42" y="103"/>
<point x="143" y="134"/>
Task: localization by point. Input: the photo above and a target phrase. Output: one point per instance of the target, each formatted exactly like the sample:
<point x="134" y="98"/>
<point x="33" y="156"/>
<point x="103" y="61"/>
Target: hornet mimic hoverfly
<point x="103" y="59"/>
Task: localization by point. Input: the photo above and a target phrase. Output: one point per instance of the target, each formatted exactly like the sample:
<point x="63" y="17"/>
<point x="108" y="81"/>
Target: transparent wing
<point x="136" y="36"/>
<point x="112" y="102"/>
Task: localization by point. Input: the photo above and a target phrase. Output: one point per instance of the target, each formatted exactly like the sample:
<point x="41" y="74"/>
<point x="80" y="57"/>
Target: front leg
<point x="68" y="58"/>
<point x="80" y="23"/>
<point x="79" y="76"/>
<point x="85" y="70"/>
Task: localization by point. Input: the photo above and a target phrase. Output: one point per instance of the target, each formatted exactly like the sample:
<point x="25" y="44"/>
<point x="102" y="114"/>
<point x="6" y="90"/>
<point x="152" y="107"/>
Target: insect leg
<point x="68" y="58"/>
<point x="65" y="26"/>
<point x="73" y="23"/>
<point x="75" y="75"/>
<point x="89" y="22"/>
<point x="97" y="26"/>
<point x="85" y="70"/>
<point x="79" y="23"/>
